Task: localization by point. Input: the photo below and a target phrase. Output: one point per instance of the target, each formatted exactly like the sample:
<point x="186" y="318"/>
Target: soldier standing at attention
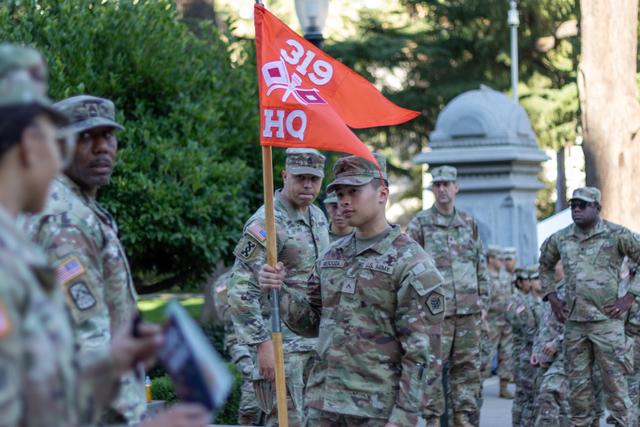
<point x="375" y="302"/>
<point x="338" y="226"/>
<point x="302" y="234"/>
<point x="499" y="340"/>
<point x="249" y="413"/>
<point x="81" y="239"/>
<point x="451" y="238"/>
<point x="592" y="250"/>
<point x="44" y="381"/>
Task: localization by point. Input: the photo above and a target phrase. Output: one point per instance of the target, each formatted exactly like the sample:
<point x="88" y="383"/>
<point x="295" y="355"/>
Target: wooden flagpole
<point x="272" y="260"/>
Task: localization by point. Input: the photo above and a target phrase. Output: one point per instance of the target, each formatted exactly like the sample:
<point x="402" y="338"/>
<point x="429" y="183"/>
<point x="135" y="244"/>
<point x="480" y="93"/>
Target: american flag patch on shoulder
<point x="69" y="270"/>
<point x="258" y="232"/>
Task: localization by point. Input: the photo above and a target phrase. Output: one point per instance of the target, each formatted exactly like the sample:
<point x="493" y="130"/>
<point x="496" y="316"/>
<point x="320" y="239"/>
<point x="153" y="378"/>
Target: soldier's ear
<point x="383" y="194"/>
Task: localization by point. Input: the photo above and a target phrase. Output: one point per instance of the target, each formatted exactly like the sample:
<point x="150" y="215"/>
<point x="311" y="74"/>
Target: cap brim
<point x="583" y="198"/>
<point x="94" y="122"/>
<point x="349" y="180"/>
<point x="303" y="170"/>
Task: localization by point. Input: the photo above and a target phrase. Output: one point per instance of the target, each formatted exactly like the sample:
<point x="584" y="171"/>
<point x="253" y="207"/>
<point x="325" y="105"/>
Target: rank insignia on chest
<point x="435" y="303"/>
<point x="349" y="286"/>
<point x="82" y="296"/>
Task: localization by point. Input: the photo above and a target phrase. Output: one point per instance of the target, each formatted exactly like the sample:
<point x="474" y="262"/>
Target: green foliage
<point x="162" y="389"/>
<point x="189" y="169"/>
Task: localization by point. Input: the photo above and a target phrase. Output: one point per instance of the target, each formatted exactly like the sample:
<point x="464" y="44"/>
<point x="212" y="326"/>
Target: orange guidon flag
<point x="309" y="99"/>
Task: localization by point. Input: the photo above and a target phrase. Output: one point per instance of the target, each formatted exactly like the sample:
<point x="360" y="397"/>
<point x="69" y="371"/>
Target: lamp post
<point x="312" y="15"/>
<point x="514" y="22"/>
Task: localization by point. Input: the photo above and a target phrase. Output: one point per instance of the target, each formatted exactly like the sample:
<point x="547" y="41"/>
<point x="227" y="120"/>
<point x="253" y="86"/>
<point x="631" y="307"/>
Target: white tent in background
<point x="556" y="222"/>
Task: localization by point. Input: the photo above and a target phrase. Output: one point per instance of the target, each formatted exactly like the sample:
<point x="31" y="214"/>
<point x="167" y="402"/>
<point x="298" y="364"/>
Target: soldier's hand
<point x="270" y="277"/>
<point x="180" y="415"/>
<point x="550" y="349"/>
<point x="558" y="307"/>
<point x="127" y="350"/>
<point x="620" y="306"/>
<point x="266" y="360"/>
<point x="533" y="360"/>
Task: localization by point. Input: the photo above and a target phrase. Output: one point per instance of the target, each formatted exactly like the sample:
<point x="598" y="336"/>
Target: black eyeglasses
<point x="579" y="204"/>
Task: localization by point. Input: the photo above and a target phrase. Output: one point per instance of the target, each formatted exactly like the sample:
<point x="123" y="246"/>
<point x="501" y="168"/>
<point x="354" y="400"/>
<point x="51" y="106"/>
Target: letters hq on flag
<point x="309" y="99"/>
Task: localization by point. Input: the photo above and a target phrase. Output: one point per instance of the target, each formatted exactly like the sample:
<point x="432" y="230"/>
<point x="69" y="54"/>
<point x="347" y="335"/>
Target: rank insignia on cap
<point x="69" y="270"/>
<point x="435" y="303"/>
<point x="82" y="296"/>
<point x="5" y="321"/>
<point x="258" y="232"/>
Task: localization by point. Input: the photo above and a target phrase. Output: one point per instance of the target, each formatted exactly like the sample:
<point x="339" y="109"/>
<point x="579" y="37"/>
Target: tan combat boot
<point x="461" y="420"/>
<point x="504" y="391"/>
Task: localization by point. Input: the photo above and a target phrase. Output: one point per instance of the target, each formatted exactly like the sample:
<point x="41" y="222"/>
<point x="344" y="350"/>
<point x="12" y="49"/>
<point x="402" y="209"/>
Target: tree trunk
<point x="194" y="10"/>
<point x="561" y="180"/>
<point x="610" y="109"/>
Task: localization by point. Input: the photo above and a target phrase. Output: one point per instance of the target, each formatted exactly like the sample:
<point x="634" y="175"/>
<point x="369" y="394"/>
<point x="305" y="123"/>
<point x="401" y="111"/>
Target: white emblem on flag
<point x="276" y="76"/>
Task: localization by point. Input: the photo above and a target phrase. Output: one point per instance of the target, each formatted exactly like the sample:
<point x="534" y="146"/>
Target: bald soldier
<point x="451" y="238"/>
<point x="374" y="300"/>
<point x="81" y="238"/>
<point x="591" y="251"/>
<point x="44" y="381"/>
<point x="338" y="226"/>
<point x="301" y="235"/>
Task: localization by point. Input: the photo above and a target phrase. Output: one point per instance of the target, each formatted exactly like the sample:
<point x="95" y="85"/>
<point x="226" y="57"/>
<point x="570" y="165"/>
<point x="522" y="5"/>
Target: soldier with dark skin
<point x="591" y="251"/>
<point x="374" y="300"/>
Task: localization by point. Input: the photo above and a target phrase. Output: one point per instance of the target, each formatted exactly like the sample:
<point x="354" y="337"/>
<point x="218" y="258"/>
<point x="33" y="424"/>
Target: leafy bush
<point x="189" y="169"/>
<point x="162" y="389"/>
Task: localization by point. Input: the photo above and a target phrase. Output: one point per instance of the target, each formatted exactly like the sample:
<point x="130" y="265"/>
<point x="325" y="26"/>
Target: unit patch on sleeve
<point x="435" y="303"/>
<point x="82" y="296"/>
<point x="69" y="269"/>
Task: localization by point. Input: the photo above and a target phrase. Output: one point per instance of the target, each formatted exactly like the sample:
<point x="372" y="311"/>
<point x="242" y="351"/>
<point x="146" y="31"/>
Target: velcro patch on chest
<point x="349" y="286"/>
<point x="378" y="266"/>
<point x="69" y="269"/>
<point x="435" y="303"/>
<point x="332" y="263"/>
<point x="5" y="321"/>
<point x="81" y="296"/>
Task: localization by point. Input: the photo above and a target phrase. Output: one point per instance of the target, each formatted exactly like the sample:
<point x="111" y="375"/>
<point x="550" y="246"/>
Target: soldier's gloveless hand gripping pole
<point x="272" y="260"/>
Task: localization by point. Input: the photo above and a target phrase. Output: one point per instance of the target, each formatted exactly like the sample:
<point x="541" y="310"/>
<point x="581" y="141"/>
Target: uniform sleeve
<point x="98" y="386"/>
<point x="76" y="255"/>
<point x="414" y="230"/>
<point x="629" y="245"/>
<point x="483" y="274"/>
<point x="11" y="361"/>
<point x="301" y="313"/>
<point x="549" y="257"/>
<point x="418" y="320"/>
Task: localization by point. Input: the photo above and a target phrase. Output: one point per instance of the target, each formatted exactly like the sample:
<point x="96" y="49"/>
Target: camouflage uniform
<point x="377" y="307"/>
<point x="454" y="244"/>
<point x="521" y="316"/>
<point x="300" y="239"/>
<point x="249" y="412"/>
<point x="81" y="239"/>
<point x="42" y="383"/>
<point x="592" y="262"/>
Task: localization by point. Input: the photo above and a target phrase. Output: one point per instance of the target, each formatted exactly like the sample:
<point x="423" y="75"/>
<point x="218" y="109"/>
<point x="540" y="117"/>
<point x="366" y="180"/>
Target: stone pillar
<point x="488" y="138"/>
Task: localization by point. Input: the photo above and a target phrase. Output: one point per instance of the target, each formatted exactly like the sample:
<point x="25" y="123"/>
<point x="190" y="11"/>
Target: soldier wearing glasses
<point x="591" y="251"/>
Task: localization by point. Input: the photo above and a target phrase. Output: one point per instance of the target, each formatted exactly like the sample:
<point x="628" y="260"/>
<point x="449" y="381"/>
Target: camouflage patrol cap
<point x="87" y="112"/>
<point x="520" y="273"/>
<point x="494" y="251"/>
<point x="509" y="252"/>
<point x="305" y="161"/>
<point x="19" y="86"/>
<point x="354" y="170"/>
<point x="588" y="194"/>
<point x="330" y="199"/>
<point x="444" y="174"/>
<point x="533" y="271"/>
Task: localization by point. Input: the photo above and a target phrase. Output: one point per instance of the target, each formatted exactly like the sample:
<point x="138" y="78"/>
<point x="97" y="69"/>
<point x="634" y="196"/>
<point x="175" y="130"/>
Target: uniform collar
<point x="91" y="202"/>
<point x="600" y="227"/>
<point x="443" y="221"/>
<point x="293" y="214"/>
<point x="348" y="243"/>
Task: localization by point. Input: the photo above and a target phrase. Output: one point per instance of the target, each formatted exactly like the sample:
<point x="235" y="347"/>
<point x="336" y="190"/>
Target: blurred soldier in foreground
<point x="499" y="330"/>
<point x="451" y="238"/>
<point x="44" y="382"/>
<point x="248" y="411"/>
<point x="302" y="234"/>
<point x="375" y="302"/>
<point x="591" y="251"/>
<point x="81" y="239"/>
<point x="338" y="226"/>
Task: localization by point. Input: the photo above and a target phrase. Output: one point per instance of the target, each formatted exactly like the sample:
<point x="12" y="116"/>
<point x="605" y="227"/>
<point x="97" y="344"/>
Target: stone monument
<point x="488" y="137"/>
